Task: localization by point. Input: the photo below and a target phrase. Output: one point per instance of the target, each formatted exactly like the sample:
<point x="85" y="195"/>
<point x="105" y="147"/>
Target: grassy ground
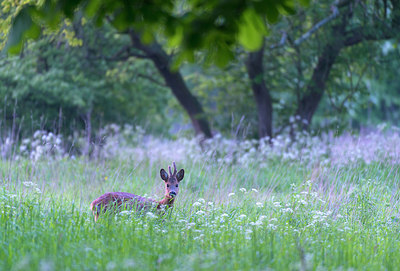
<point x="283" y="217"/>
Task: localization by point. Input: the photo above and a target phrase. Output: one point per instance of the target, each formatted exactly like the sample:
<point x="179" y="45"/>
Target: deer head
<point x="172" y="181"/>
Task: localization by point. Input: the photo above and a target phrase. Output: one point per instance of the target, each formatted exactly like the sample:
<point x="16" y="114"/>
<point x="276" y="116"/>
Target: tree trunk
<point x="179" y="88"/>
<point x="255" y="70"/>
<point x="176" y="83"/>
<point x="316" y="88"/>
<point x="88" y="128"/>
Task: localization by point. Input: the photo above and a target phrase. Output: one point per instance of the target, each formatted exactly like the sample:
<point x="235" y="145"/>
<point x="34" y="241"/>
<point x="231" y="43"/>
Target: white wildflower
<point x="150" y="215"/>
<point x="231" y="194"/>
<point x="243" y="190"/>
<point x="254" y="190"/>
<point x="248" y="233"/>
<point x="277" y="204"/>
<point x="287" y="210"/>
<point x="26" y="141"/>
<point x="262" y="218"/>
<point x="302" y="201"/>
<point x="257" y="223"/>
<point x="123" y="213"/>
<point x="201" y="213"/>
<point x="29" y="184"/>
<point x="272" y="226"/>
<point x="190" y="225"/>
<point x="259" y="204"/>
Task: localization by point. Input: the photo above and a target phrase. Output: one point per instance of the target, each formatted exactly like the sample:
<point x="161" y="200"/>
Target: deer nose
<point x="172" y="194"/>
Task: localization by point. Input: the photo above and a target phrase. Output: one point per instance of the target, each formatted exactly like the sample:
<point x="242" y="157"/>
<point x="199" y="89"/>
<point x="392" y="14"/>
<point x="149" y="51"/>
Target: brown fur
<point x="132" y="201"/>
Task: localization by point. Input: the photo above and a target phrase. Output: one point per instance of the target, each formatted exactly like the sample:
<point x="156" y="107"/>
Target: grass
<point x="296" y="218"/>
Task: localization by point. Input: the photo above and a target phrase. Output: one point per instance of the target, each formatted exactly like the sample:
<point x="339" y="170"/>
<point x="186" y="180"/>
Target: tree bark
<point x="315" y="90"/>
<point x="176" y="83"/>
<point x="88" y="128"/>
<point x="255" y="70"/>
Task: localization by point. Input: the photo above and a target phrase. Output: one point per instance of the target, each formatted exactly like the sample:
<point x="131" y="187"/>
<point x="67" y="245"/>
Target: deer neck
<point x="166" y="201"/>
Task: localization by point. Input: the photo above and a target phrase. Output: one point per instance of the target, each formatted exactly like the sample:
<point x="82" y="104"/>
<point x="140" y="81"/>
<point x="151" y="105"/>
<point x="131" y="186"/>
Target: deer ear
<point x="164" y="175"/>
<point x="180" y="174"/>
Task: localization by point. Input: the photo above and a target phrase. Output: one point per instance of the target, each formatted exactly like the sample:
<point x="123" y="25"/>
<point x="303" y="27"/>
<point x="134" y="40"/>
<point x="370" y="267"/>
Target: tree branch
<point x="121" y="55"/>
<point x="151" y="79"/>
<point x="386" y="31"/>
<point x="125" y="53"/>
<point x="335" y="13"/>
<point x="360" y="34"/>
<point x="305" y="36"/>
<point x="281" y="42"/>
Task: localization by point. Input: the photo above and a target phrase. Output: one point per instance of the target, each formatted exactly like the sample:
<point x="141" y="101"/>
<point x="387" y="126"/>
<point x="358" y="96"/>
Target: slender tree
<point x="262" y="96"/>
<point x="175" y="81"/>
<point x="344" y="34"/>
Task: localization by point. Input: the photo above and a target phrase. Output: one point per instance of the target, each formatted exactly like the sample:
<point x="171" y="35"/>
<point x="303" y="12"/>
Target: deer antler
<point x="174" y="167"/>
<point x="170" y="172"/>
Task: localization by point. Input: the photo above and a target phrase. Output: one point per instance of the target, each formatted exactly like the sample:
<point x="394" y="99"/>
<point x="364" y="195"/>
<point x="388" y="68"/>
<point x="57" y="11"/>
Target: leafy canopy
<point x="215" y="26"/>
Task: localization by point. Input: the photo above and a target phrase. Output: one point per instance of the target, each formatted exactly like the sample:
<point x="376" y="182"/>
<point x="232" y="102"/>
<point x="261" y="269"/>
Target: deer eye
<point x="167" y="185"/>
<point x="176" y="185"/>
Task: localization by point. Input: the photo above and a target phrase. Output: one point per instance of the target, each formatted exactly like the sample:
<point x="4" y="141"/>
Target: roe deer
<point x="131" y="201"/>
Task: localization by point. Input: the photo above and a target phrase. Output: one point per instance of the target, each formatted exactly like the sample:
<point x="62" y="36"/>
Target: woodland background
<point x="284" y="115"/>
<point x="315" y="66"/>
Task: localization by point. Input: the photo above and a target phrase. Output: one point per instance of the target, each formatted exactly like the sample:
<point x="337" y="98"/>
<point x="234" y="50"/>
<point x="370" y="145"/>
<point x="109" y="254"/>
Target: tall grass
<point x="276" y="213"/>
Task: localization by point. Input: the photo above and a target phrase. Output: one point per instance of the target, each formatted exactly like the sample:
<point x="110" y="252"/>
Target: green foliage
<point x="214" y="26"/>
<point x="382" y="84"/>
<point x="75" y="66"/>
<point x="250" y="29"/>
<point x="361" y="93"/>
<point x="53" y="84"/>
<point x="228" y="99"/>
<point x="23" y="29"/>
<point x="358" y="91"/>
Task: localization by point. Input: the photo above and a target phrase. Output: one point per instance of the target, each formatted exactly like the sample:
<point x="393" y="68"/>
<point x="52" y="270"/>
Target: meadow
<point x="314" y="203"/>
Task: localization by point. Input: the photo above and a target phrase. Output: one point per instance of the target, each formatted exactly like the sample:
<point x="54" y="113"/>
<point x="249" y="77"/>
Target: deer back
<point x="120" y="200"/>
